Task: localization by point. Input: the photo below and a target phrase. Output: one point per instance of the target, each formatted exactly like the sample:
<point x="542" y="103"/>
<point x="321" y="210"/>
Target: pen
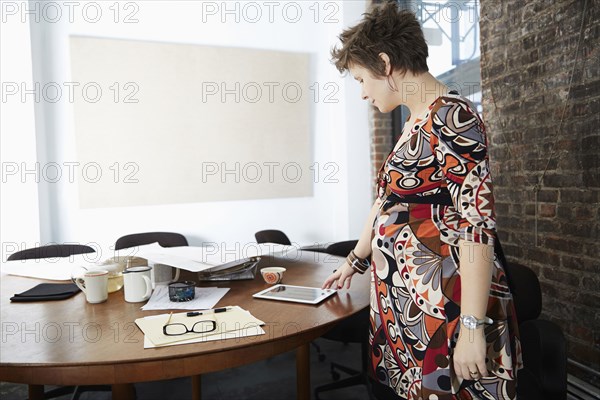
<point x="213" y="311"/>
<point x="169" y="320"/>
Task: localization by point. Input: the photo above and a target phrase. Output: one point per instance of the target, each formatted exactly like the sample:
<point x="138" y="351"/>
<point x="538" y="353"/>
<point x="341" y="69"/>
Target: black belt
<point x="442" y="198"/>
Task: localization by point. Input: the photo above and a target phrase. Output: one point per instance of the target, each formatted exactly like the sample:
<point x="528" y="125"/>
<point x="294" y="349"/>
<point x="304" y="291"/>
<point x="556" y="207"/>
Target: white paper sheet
<point x="56" y="269"/>
<point x="61" y="268"/>
<point x="233" y="324"/>
<point x="191" y="258"/>
<point x="200" y="258"/>
<point x="255" y="331"/>
<point x="205" y="298"/>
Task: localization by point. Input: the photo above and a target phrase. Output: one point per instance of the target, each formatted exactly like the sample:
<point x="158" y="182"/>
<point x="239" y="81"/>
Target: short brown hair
<point x="385" y="29"/>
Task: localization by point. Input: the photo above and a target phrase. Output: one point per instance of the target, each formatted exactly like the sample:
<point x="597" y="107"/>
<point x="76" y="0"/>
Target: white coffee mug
<point x="138" y="285"/>
<point x="162" y="273"/>
<point x="94" y="283"/>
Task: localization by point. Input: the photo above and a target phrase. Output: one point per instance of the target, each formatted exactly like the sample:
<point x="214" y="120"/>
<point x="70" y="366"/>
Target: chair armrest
<point x="545" y="356"/>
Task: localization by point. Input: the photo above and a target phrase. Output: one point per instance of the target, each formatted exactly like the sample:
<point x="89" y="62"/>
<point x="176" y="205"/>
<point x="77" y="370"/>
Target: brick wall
<point x="528" y="52"/>
<point x="380" y="126"/>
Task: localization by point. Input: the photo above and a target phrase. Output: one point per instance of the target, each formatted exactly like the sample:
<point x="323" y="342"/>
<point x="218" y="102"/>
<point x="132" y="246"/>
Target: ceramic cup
<point x="272" y="275"/>
<point x="162" y="273"/>
<point x="115" y="275"/>
<point x="138" y="284"/>
<point x="94" y="283"/>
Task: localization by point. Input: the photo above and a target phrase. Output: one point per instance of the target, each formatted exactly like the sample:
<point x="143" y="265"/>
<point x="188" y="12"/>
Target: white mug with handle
<point x="94" y="283"/>
<point x="163" y="274"/>
<point x="138" y="284"/>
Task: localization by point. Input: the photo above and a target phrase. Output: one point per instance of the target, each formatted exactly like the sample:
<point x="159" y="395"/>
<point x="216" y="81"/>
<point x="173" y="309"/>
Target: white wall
<point x="19" y="218"/>
<point x="336" y="211"/>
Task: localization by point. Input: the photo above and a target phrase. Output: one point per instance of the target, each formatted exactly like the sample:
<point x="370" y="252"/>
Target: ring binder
<point x="232" y="271"/>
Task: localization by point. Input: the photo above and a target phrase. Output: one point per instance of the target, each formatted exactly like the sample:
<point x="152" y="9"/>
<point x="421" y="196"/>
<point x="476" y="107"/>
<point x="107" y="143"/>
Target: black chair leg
<point x="343" y="368"/>
<point x="351" y="381"/>
<point x="79" y="390"/>
<point x="320" y="355"/>
<point x="59" y="391"/>
<point x="76" y="393"/>
<point x="356" y="378"/>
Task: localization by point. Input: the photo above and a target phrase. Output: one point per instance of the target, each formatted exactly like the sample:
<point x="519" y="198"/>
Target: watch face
<point x="469" y="321"/>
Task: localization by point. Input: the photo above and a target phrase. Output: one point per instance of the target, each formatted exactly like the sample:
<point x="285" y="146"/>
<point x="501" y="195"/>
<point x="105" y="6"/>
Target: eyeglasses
<point x="178" y="328"/>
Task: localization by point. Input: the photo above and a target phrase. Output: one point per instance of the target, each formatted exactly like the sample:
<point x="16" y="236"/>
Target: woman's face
<point x="374" y="89"/>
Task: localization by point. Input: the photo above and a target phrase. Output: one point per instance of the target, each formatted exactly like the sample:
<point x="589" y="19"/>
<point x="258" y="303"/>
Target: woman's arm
<point x="363" y="247"/>
<point x="462" y="153"/>
<point x="362" y="250"/>
<point x="476" y="263"/>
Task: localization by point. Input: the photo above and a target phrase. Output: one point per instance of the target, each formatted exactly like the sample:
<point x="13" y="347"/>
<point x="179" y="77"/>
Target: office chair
<point x="341" y="249"/>
<point x="54" y="251"/>
<point x="51" y="251"/>
<point x="544" y="375"/>
<point x="272" y="236"/>
<point x="543" y="345"/>
<point x="354" y="329"/>
<point x="165" y="239"/>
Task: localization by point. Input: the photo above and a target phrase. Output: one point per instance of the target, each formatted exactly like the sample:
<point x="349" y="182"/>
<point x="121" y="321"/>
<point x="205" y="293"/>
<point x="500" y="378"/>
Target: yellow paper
<point x="237" y="335"/>
<point x="235" y="319"/>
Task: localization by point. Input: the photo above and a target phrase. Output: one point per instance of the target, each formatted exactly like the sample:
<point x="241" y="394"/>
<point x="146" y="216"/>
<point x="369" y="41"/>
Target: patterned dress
<point x="436" y="189"/>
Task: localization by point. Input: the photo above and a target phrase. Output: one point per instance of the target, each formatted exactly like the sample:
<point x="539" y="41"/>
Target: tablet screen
<point x="301" y="294"/>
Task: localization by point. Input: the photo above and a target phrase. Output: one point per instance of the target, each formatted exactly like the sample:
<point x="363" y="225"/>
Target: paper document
<point x="233" y="323"/>
<point x="252" y="331"/>
<point x="56" y="269"/>
<point x="196" y="259"/>
<point x="61" y="268"/>
<point x="205" y="297"/>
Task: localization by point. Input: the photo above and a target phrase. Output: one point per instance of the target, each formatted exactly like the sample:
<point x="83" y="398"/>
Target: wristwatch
<point x="471" y="322"/>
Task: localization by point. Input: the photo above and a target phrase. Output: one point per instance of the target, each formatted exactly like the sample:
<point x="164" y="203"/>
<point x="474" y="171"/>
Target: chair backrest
<point x="51" y="251"/>
<point x="341" y="249"/>
<point x="165" y="239"/>
<point x="524" y="286"/>
<point x="272" y="236"/>
<point x="526" y="291"/>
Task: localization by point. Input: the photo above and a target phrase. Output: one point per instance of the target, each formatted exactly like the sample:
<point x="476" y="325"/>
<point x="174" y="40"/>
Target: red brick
<point x="584" y="353"/>
<point x="581" y="332"/>
<point x="578" y="263"/>
<point x="547" y="210"/>
<point x="548" y="195"/>
<point x="591" y="283"/>
<point x="585" y="212"/>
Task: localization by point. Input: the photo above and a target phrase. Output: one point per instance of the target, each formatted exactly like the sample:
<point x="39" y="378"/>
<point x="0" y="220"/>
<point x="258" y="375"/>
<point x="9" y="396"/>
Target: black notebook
<point x="47" y="291"/>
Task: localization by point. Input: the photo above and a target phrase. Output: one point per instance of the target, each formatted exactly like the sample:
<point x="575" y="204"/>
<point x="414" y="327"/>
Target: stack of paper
<point x="56" y="268"/>
<point x="231" y="324"/>
<point x="200" y="258"/>
<point x="205" y="297"/>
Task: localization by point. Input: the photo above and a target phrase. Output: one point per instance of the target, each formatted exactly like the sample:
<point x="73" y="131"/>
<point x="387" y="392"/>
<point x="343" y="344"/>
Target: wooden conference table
<point x="72" y="342"/>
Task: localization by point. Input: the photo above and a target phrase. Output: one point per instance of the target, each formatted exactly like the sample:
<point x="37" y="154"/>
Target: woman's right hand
<point x="342" y="275"/>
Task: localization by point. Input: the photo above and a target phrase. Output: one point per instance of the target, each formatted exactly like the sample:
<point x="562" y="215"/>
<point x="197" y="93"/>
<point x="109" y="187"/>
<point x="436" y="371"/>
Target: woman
<point x="442" y="317"/>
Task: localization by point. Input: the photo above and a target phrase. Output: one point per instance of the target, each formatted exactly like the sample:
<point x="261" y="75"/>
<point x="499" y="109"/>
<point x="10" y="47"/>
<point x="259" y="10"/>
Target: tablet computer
<point x="298" y="294"/>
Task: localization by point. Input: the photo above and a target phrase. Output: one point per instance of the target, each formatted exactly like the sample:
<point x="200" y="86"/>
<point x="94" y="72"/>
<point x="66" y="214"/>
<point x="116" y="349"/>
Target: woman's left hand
<point x="469" y="354"/>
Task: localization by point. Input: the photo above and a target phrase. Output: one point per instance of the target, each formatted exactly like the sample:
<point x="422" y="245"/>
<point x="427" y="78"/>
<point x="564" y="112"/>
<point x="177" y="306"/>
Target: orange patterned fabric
<point x="436" y="190"/>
